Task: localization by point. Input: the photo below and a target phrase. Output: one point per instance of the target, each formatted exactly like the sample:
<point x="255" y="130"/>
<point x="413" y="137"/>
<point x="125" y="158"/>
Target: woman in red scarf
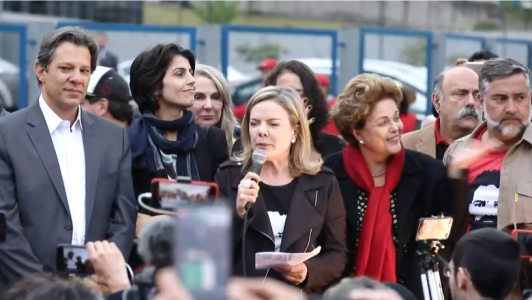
<point x="386" y="189"/>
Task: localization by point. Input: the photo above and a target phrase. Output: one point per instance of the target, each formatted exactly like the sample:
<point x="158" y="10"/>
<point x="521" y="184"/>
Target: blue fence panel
<point x="307" y="43"/>
<point x="462" y="46"/>
<point x="517" y="49"/>
<point x="127" y="41"/>
<point x="403" y="55"/>
<point x="13" y="53"/>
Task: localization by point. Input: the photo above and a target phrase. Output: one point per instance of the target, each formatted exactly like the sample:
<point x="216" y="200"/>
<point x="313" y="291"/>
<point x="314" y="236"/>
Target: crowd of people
<point x="73" y="164"/>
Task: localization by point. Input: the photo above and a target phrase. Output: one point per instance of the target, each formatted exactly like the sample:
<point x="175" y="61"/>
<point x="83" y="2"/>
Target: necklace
<point x="379" y="175"/>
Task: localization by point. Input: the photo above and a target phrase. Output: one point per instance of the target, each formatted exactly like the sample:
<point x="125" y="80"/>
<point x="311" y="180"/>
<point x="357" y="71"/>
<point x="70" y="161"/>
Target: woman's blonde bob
<point x="227" y="120"/>
<point x="300" y="151"/>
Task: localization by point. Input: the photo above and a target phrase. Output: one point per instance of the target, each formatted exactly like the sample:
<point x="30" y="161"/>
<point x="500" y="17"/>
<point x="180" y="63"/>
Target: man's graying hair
<point x="438" y="82"/>
<point x="74" y="35"/>
<point x="500" y="68"/>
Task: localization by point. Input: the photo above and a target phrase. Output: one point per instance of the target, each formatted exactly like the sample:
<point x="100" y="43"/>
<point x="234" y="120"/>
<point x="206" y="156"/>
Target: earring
<point x="362" y="142"/>
<point x="293" y="140"/>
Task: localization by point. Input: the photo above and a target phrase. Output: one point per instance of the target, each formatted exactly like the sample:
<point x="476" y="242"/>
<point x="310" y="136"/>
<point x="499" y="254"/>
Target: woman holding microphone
<point x="296" y="205"/>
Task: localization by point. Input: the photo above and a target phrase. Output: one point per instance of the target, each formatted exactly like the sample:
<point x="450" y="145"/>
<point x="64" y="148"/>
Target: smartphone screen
<point x="203" y="250"/>
<point x="73" y="259"/>
<point x="434" y="229"/>
<point x="3" y="228"/>
<point x="165" y="195"/>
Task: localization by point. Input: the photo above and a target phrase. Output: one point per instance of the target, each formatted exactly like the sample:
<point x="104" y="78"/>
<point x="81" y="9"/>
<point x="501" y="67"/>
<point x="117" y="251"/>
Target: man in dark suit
<point x="3" y="111"/>
<point x="105" y="57"/>
<point x="65" y="174"/>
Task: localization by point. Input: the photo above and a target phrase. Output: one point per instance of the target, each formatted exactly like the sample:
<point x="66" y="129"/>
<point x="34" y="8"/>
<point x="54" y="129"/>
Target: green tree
<point x="485" y="25"/>
<point x="218" y="12"/>
<point x="415" y="53"/>
<point x="260" y="52"/>
<point x="515" y="13"/>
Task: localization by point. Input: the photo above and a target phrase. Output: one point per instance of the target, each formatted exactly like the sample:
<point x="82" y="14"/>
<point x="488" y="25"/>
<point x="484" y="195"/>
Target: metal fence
<point x="411" y="57"/>
<point x="239" y="43"/>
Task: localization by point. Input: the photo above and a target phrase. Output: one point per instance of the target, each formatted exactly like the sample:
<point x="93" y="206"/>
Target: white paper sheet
<point x="266" y="260"/>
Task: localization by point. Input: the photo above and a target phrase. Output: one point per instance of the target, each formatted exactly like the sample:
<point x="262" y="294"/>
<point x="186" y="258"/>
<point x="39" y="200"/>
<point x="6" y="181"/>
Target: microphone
<point x="156" y="242"/>
<point x="258" y="158"/>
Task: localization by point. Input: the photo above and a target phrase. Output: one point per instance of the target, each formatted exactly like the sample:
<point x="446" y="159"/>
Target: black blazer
<point x="316" y="218"/>
<point x="210" y="152"/>
<point x="424" y="191"/>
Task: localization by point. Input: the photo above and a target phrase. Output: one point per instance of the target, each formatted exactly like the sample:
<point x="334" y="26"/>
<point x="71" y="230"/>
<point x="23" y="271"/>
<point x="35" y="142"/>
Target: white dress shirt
<point x="68" y="144"/>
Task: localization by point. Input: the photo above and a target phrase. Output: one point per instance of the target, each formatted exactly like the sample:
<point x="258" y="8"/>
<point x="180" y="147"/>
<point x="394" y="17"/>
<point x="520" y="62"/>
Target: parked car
<point x="9" y="84"/>
<point x="411" y="77"/>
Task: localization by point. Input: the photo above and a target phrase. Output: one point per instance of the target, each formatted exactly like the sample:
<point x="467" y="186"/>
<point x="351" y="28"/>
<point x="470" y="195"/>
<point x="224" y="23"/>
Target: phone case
<point x="203" y="183"/>
<point x="434" y="229"/>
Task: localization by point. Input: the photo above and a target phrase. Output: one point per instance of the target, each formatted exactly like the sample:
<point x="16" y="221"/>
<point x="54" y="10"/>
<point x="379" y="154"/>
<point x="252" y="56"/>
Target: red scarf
<point x="375" y="255"/>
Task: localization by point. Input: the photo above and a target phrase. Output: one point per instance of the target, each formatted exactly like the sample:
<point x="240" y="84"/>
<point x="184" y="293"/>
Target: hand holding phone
<point x="109" y="265"/>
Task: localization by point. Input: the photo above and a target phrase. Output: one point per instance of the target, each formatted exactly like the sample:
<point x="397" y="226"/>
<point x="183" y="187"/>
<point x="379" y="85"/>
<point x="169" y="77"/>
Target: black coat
<point x="424" y="191"/>
<point x="316" y="218"/>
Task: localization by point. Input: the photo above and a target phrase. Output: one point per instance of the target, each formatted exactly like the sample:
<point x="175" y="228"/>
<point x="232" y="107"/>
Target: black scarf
<point x="151" y="129"/>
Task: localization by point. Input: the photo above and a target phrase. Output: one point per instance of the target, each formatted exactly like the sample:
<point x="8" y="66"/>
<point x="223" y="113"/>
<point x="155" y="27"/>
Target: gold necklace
<point x="379" y="175"/>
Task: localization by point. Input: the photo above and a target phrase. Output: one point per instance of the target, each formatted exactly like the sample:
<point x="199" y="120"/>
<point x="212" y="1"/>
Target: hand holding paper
<point x="266" y="260"/>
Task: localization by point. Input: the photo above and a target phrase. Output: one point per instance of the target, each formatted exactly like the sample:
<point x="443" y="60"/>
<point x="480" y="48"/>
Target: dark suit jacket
<point x="110" y="60"/>
<point x="316" y="218"/>
<point x="424" y="191"/>
<point x="33" y="197"/>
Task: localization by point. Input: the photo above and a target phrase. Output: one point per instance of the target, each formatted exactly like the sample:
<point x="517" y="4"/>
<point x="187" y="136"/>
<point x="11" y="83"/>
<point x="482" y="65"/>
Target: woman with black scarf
<point x="165" y="141"/>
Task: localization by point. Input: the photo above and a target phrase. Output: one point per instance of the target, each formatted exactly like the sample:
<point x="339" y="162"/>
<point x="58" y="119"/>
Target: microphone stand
<point x="430" y="274"/>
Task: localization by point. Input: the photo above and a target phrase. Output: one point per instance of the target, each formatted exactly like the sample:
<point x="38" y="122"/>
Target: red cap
<point x="323" y="80"/>
<point x="267" y="64"/>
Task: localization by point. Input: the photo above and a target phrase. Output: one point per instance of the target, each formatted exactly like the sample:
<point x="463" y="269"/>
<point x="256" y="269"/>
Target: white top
<point x="68" y="144"/>
<point x="278" y="222"/>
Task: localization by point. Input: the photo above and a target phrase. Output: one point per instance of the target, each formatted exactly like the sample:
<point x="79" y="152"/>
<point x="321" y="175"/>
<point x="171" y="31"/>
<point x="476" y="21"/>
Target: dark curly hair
<point x="311" y="89"/>
<point x="148" y="71"/>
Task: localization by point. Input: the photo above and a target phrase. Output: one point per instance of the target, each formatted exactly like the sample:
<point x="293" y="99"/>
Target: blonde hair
<point x="299" y="159"/>
<point x="227" y="120"/>
<point x="357" y="100"/>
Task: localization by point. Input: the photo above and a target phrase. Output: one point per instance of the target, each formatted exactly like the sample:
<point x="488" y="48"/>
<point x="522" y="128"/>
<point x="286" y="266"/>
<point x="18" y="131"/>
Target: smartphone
<point x="73" y="259"/>
<point x="3" y="228"/>
<point x="166" y="193"/>
<point x="434" y="229"/>
<point x="524" y="237"/>
<point x="203" y="248"/>
<point x="475" y="66"/>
